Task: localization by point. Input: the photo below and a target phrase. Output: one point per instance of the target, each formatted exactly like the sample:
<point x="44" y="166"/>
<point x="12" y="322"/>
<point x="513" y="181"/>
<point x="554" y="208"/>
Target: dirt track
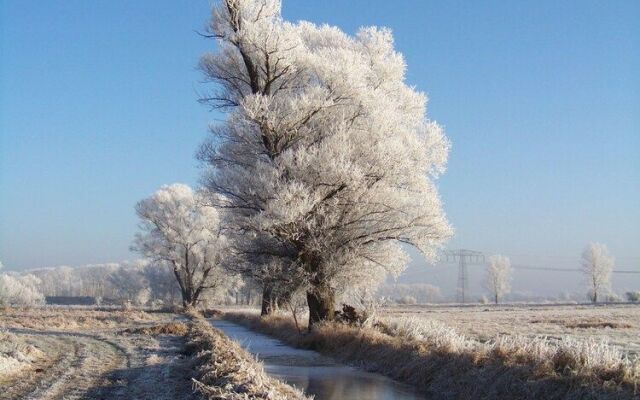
<point x="103" y="364"/>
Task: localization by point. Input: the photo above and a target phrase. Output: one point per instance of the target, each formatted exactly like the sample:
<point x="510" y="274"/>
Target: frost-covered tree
<point x="596" y="266"/>
<point x="181" y="231"/>
<point x="111" y="282"/>
<point x="326" y="158"/>
<point x="498" y="277"/>
<point x="20" y="290"/>
<point x="130" y="283"/>
<point x="162" y="283"/>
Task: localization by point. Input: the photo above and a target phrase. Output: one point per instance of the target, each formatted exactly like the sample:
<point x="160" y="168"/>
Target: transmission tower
<point x="464" y="258"/>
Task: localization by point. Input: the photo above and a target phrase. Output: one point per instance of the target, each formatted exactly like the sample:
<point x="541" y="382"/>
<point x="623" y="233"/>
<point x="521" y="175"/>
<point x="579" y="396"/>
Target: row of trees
<point x="141" y="282"/>
<point x="19" y="289"/>
<point x="145" y="282"/>
<point x="322" y="169"/>
<point x="596" y="266"/>
<point x="415" y="293"/>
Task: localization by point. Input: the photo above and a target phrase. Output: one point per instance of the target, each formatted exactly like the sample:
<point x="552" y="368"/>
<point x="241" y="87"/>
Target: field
<point x="507" y="352"/>
<point x="54" y="353"/>
<point x="72" y="353"/>
<point x="617" y="324"/>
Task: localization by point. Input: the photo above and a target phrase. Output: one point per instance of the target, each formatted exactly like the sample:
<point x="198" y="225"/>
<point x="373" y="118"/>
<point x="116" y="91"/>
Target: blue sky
<point x="540" y="99"/>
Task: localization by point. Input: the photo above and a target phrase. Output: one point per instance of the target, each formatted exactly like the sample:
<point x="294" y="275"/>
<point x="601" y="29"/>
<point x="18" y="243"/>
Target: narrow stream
<point x="314" y="373"/>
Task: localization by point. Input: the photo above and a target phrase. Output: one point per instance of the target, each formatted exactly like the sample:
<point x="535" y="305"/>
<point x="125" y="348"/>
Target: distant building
<point x="71" y="300"/>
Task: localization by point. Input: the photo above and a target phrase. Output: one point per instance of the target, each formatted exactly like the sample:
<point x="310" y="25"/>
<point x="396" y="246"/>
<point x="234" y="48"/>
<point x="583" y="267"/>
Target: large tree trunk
<point x="189" y="301"/>
<point x="268" y="301"/>
<point x="322" y="303"/>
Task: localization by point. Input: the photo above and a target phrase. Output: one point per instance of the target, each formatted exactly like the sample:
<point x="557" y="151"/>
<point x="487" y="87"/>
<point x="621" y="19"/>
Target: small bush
<point x="613" y="298"/>
<point x="407" y="300"/>
<point x="633" y="297"/>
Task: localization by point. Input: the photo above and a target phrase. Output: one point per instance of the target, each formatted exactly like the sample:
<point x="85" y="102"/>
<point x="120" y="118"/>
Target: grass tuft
<point x="171" y="328"/>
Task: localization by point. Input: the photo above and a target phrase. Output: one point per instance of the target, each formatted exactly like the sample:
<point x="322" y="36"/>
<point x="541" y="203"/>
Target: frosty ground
<point x="72" y="353"/>
<point x="55" y="353"/>
<point x="618" y="324"/>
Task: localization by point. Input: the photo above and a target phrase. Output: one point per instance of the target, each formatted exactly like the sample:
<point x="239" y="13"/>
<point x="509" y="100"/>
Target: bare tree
<point x="178" y="229"/>
<point x="498" y="277"/>
<point x="596" y="266"/>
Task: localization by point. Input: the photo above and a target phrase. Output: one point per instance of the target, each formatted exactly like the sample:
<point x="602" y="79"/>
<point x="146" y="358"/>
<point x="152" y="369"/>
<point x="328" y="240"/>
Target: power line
<point x="527" y="267"/>
<point x="625" y="272"/>
<point x="567" y="257"/>
<point x="545" y="268"/>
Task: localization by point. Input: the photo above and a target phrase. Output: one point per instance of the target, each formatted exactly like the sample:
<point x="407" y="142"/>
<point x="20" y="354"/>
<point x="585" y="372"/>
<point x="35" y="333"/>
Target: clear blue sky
<point x="540" y="99"/>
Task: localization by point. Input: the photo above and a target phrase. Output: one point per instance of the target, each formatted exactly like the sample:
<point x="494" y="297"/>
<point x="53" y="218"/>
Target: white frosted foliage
<point x="326" y="156"/>
<point x="596" y="266"/>
<point x="180" y="230"/>
<point x="498" y="277"/>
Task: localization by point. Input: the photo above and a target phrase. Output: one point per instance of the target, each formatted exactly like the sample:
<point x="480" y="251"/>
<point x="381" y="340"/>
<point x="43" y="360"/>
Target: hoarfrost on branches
<point x="326" y="160"/>
<point x="20" y="290"/>
<point x="498" y="277"/>
<point x="596" y="266"/>
<point x="180" y="230"/>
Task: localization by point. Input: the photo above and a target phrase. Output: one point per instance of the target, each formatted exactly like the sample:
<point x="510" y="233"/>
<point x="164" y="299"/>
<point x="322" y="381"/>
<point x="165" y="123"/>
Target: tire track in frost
<point x="80" y="362"/>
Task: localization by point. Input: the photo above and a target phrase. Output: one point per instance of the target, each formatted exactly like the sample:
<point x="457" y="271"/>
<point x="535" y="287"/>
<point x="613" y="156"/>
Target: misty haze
<point x="291" y="200"/>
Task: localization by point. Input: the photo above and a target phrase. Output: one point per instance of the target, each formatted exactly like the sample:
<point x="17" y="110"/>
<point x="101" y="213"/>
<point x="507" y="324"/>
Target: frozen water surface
<point x="314" y="373"/>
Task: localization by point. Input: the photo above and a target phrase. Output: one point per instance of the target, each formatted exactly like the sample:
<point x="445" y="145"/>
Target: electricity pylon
<point x="464" y="257"/>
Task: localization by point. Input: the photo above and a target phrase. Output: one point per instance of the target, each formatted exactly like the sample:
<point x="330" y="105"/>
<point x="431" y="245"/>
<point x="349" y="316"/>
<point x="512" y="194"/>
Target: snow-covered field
<point x="618" y="324"/>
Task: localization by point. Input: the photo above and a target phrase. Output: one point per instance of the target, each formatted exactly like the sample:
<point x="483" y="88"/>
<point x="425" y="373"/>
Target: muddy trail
<point x="102" y="365"/>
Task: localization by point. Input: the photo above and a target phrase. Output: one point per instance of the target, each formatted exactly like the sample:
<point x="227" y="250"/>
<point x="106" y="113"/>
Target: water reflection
<point x="316" y="374"/>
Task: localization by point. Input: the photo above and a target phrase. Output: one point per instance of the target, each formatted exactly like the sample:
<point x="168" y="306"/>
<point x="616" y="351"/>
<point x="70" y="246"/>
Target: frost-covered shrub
<point x="143" y="297"/>
<point x="613" y="298"/>
<point x="157" y="304"/>
<point x="20" y="290"/>
<point x="407" y="300"/>
<point x="633" y="297"/>
<point x="15" y="354"/>
<point x="422" y="292"/>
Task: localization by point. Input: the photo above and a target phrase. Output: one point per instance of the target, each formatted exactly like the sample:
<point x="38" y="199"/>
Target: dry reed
<point x="443" y="364"/>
